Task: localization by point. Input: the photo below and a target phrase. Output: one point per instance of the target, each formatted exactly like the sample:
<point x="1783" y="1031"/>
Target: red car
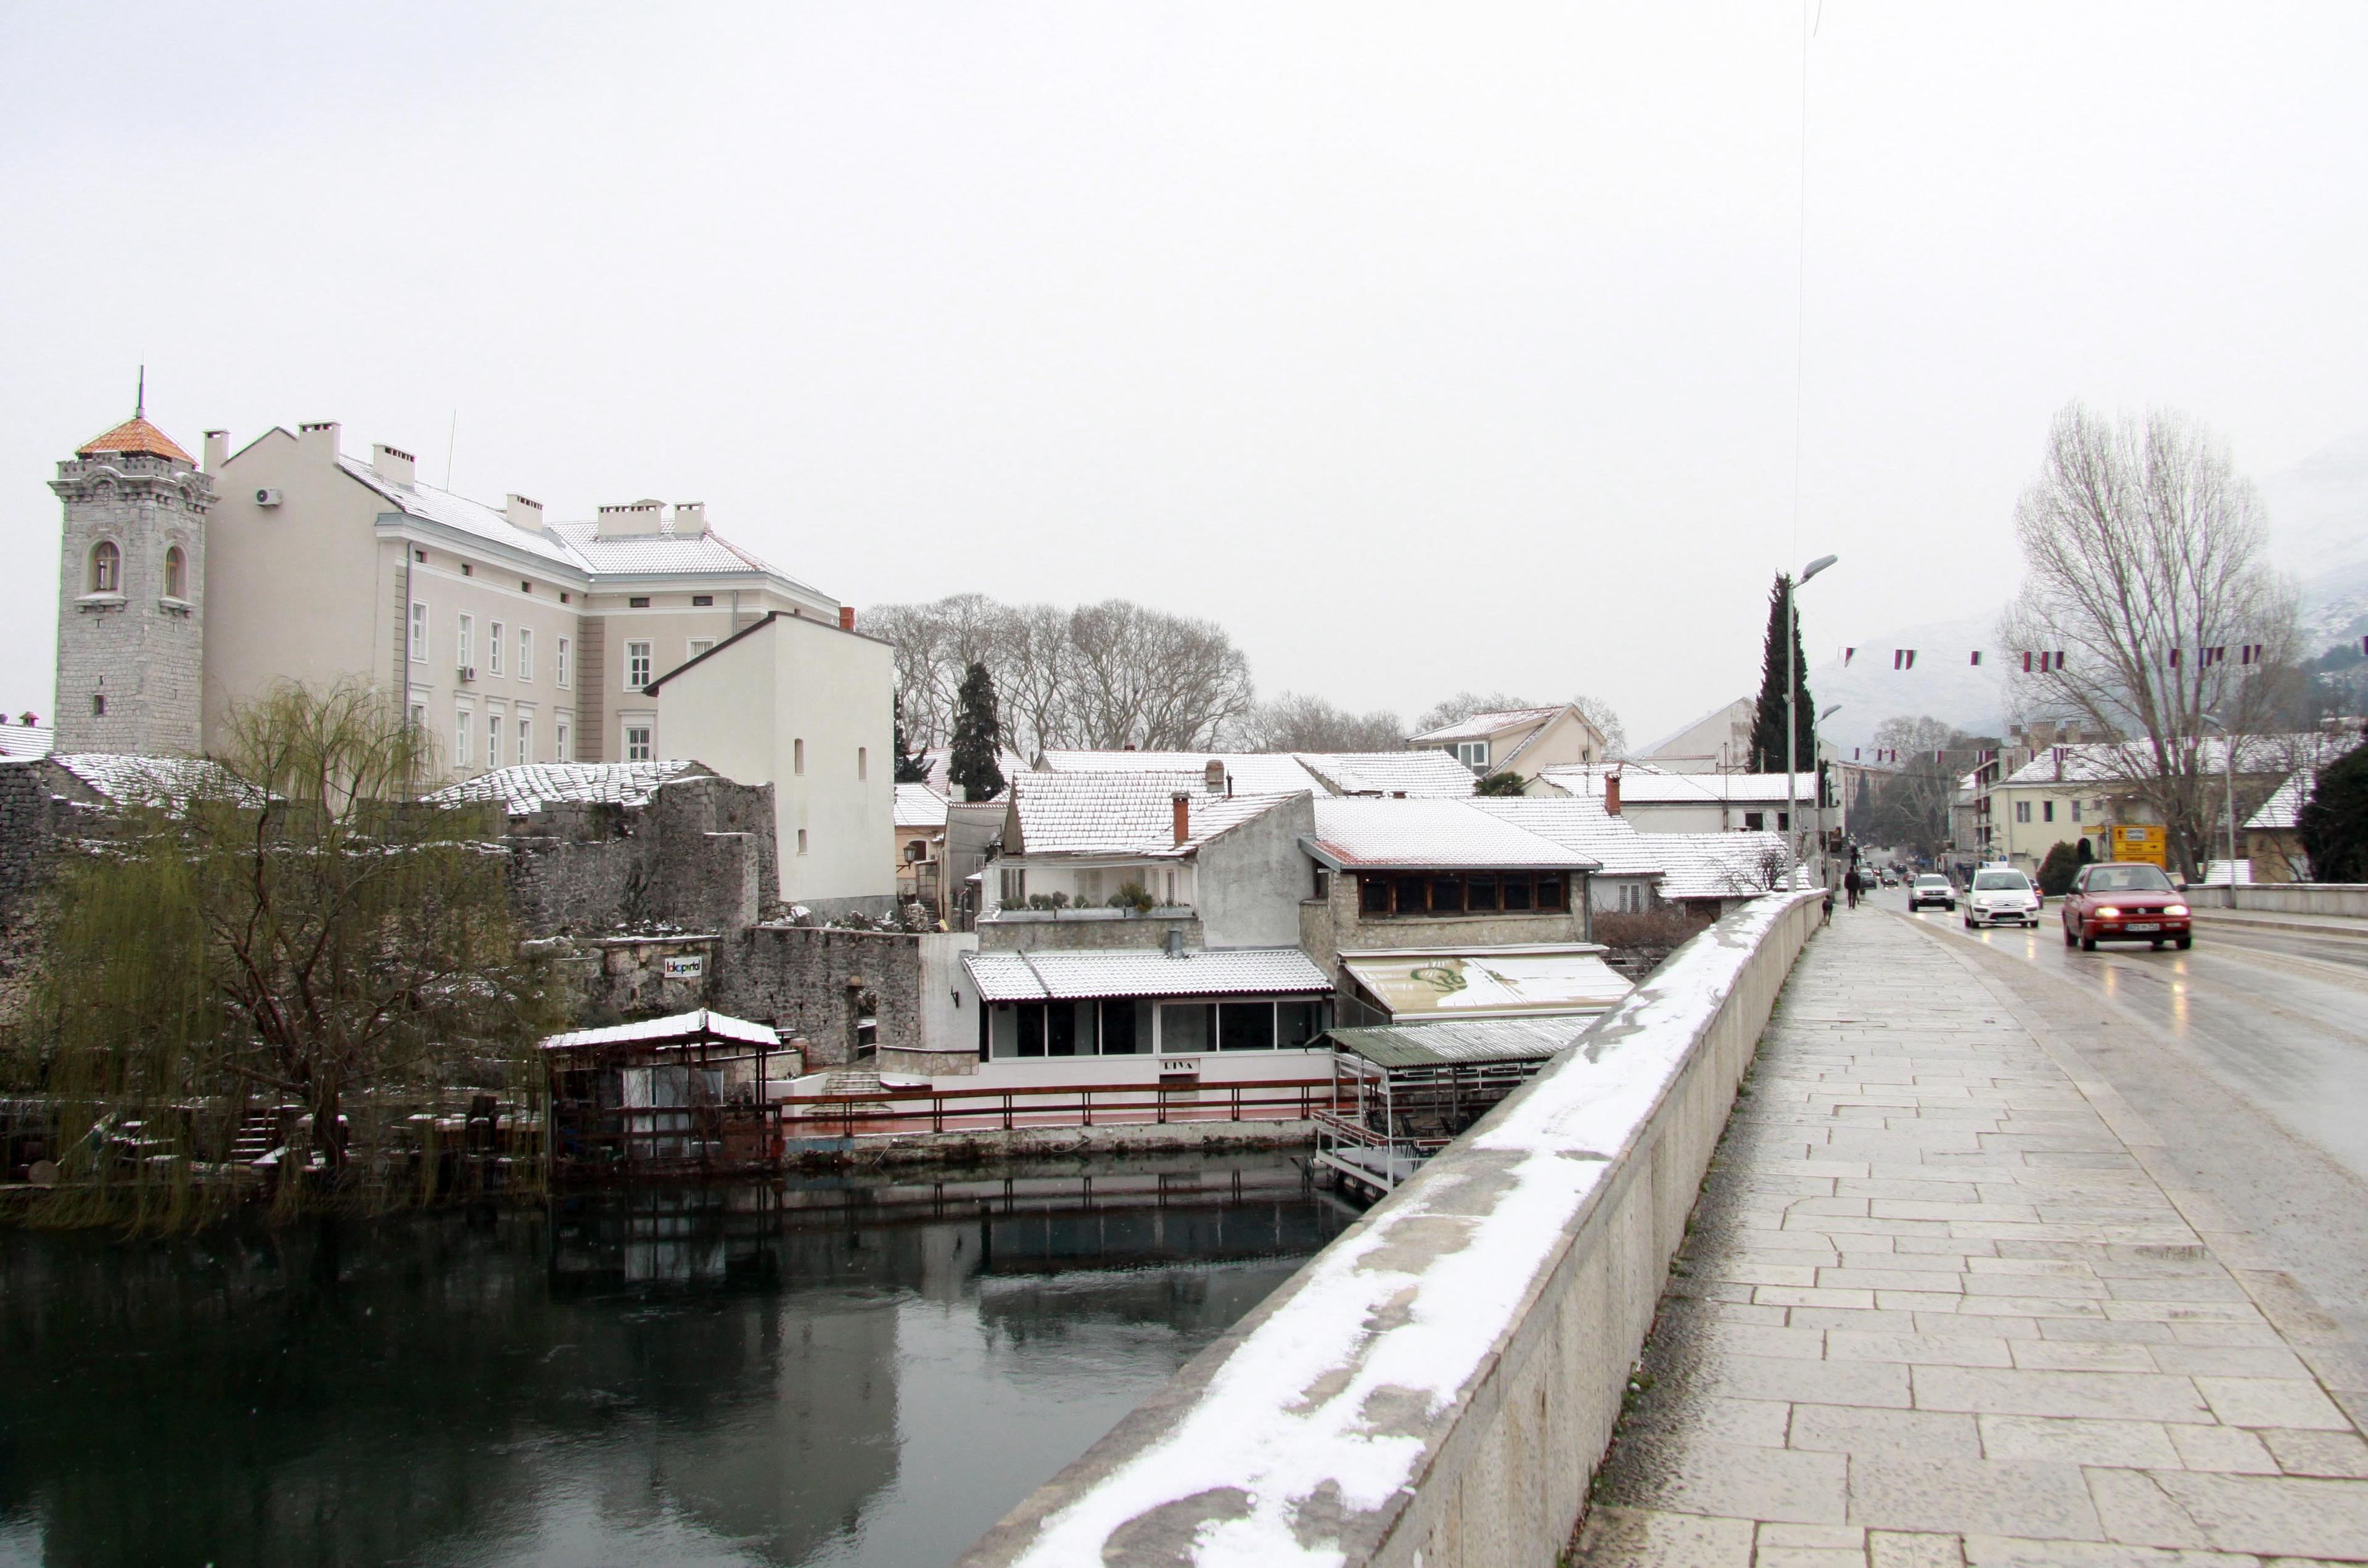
<point x="2119" y="901"/>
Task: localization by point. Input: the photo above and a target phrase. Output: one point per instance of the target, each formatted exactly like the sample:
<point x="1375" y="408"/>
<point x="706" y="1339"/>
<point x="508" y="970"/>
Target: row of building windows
<point x="1137" y="1026"/>
<point x="2046" y="810"/>
<point x="106" y="574"/>
<point x="497" y="646"/>
<point x="1460" y="892"/>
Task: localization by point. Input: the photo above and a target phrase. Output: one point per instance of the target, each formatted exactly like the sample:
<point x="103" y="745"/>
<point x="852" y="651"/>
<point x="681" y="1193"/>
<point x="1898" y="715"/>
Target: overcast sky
<point x="1423" y="346"/>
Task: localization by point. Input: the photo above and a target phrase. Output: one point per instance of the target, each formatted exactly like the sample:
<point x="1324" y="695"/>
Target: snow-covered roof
<point x="1728" y="789"/>
<point x="1586" y="778"/>
<point x="701" y="1024"/>
<point x="918" y="805"/>
<point x="2283" y="811"/>
<point x="1480" y="726"/>
<point x="1433" y="836"/>
<point x="26" y="740"/>
<point x="1459" y="1039"/>
<point x="1737" y="711"/>
<point x="1122" y="814"/>
<point x="2110" y="762"/>
<point x="578" y="545"/>
<point x="167" y="781"/>
<point x="1415" y="774"/>
<point x="528" y="788"/>
<point x="1488" y="982"/>
<point x="2221" y="873"/>
<point x="1253" y="772"/>
<point x="1581" y="823"/>
<point x="1720" y="865"/>
<point x="1044" y="975"/>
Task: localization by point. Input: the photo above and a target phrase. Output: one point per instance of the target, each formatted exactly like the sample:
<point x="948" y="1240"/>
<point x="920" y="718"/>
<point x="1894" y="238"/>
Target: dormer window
<point x="176" y="573"/>
<point x="1473" y="755"/>
<point x="105" y="568"/>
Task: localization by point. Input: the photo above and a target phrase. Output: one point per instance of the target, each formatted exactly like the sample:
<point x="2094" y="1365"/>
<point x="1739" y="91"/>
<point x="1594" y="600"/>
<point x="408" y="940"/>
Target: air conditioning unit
<point x="267" y="497"/>
<point x="467" y="672"/>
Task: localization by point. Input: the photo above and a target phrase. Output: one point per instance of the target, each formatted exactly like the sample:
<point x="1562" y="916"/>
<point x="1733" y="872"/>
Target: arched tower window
<point x="176" y="573"/>
<point x="105" y="568"/>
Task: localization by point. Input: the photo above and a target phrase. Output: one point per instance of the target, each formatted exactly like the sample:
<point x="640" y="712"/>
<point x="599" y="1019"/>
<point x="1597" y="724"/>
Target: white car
<point x="1999" y="897"/>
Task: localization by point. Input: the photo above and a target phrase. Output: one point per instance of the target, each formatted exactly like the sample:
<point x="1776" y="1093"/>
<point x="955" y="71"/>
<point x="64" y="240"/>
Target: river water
<point x="813" y="1372"/>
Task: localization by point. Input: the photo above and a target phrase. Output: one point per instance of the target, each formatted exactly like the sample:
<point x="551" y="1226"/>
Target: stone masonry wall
<point x="698" y="856"/>
<point x="813" y="981"/>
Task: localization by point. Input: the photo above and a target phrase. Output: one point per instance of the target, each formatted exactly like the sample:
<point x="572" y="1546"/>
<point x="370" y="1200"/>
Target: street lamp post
<point x="1791" y="697"/>
<point x="1816" y="745"/>
<point x="2229" y="780"/>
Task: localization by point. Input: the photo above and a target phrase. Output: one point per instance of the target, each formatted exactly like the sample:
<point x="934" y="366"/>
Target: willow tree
<point x="288" y="923"/>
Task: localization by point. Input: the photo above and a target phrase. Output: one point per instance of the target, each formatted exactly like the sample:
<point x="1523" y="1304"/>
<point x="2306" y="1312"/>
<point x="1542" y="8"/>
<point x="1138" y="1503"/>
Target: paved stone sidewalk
<point x="1934" y="1311"/>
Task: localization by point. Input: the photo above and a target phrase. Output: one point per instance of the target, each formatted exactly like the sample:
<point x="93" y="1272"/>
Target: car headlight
<point x="2107" y="912"/>
<point x="2175" y="909"/>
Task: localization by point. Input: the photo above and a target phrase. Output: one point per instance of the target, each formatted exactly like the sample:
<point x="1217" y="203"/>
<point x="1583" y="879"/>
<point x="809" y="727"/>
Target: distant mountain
<point x="1944" y="683"/>
<point x="2319" y="530"/>
<point x="2319" y="525"/>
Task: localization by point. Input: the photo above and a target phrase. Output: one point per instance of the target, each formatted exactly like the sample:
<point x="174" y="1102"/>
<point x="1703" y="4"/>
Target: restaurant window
<point x="1516" y="891"/>
<point x="1447" y="895"/>
<point x="1296" y="1023"/>
<point x="1372" y="896"/>
<point x="1245" y="1025"/>
<point x="1061" y="1031"/>
<point x="1480" y="892"/>
<point x="1125" y="1028"/>
<point x="1185" y="1027"/>
<point x="1551" y="891"/>
<point x="1411" y="899"/>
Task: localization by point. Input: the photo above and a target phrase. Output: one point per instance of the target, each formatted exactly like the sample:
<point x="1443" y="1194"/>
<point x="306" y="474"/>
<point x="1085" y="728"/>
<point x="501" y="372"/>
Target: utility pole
<point x="1791" y="697"/>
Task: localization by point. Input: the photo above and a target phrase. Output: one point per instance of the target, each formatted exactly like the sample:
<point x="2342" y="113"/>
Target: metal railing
<point x="886" y="1112"/>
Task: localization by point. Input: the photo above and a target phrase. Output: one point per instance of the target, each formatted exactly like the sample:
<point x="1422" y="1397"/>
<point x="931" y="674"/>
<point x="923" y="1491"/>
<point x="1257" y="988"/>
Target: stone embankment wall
<point x="700" y="856"/>
<point x="2287" y="898"/>
<point x="1437" y="1386"/>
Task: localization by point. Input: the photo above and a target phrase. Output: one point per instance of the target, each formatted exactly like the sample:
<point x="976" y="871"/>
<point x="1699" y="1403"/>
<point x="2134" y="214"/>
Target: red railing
<point x="885" y="1113"/>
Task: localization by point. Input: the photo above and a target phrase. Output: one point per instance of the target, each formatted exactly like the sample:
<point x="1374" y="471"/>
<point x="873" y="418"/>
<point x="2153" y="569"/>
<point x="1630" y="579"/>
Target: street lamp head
<point x="1819" y="565"/>
<point x="1829" y="712"/>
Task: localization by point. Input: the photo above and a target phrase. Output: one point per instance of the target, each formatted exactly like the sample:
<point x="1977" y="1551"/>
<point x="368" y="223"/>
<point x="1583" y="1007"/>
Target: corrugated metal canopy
<point x="1488" y="983"/>
<point x="1041" y="976"/>
<point x="675" y="1028"/>
<point x="1461" y="1040"/>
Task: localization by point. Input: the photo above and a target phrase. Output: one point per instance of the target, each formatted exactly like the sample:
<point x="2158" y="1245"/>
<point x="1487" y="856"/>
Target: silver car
<point x="2001" y="897"/>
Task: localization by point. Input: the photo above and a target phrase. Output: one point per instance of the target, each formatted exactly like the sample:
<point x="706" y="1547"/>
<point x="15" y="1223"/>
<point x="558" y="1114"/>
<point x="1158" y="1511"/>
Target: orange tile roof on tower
<point x="135" y="435"/>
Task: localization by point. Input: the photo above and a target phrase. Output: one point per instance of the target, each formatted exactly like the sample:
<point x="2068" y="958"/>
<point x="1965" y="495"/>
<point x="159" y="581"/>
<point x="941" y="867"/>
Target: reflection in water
<point x="812" y="1372"/>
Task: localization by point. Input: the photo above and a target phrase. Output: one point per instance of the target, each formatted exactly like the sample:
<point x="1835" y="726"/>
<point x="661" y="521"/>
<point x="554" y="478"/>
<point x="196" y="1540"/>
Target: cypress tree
<point x="978" y="736"/>
<point x="912" y="766"/>
<point x="1767" y="723"/>
<point x="2333" y="826"/>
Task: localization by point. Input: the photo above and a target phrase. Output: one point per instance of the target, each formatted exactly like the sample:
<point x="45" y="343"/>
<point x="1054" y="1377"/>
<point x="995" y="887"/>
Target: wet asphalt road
<point x="2281" y="1020"/>
<point x="2247" y="1055"/>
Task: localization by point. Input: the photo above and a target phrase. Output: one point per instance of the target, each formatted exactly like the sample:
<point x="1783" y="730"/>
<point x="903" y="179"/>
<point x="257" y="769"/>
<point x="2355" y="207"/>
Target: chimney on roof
<point x="628" y="519"/>
<point x="523" y="513"/>
<point x="1612" y="793"/>
<point x="392" y="464"/>
<point x="847" y="617"/>
<point x="217" y="450"/>
<point x="321" y="441"/>
<point x="690" y="519"/>
<point x="1181" y="805"/>
<point x="1212" y="777"/>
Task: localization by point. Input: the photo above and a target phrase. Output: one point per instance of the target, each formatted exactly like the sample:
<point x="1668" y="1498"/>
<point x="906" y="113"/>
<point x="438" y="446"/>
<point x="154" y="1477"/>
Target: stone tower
<point x="132" y="582"/>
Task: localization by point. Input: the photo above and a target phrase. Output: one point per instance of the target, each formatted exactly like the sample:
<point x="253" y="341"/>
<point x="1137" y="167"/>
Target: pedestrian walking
<point x="1853" y="884"/>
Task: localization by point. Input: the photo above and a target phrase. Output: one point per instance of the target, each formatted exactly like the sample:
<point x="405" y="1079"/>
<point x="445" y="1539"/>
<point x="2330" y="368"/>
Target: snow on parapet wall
<point x="1317" y="1424"/>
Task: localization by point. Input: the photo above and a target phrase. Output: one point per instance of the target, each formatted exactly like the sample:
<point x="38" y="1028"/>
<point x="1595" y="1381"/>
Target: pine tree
<point x="912" y="766"/>
<point x="978" y="736"/>
<point x="2333" y="826"/>
<point x="1767" y="723"/>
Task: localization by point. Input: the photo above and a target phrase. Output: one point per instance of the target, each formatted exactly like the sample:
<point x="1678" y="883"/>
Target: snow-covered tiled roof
<point x="684" y="1026"/>
<point x="1415" y="774"/>
<point x="167" y="781"/>
<point x="526" y="790"/>
<point x="1480" y="726"/>
<point x="2282" y="813"/>
<point x="1586" y="778"/>
<point x="919" y="806"/>
<point x="1123" y="814"/>
<point x="1434" y="835"/>
<point x="26" y="740"/>
<point x="1582" y="824"/>
<point x="491" y="524"/>
<point x="1044" y="975"/>
<point x="1253" y="772"/>
<point x="1718" y="865"/>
